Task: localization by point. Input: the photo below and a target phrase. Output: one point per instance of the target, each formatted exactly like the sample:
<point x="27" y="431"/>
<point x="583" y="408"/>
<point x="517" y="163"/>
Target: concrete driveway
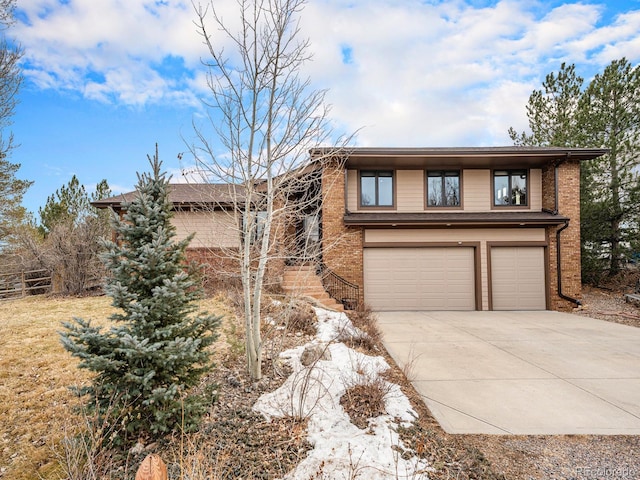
<point x="520" y="372"/>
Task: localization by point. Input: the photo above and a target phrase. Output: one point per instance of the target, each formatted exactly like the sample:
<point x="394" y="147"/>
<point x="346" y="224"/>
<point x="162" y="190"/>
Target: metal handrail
<point x="338" y="288"/>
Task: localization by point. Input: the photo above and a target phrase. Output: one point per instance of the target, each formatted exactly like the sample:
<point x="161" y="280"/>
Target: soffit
<point x="478" y="157"/>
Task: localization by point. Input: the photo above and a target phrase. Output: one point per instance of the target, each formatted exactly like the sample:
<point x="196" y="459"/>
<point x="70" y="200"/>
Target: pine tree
<point x="604" y="115"/>
<point x="610" y="118"/>
<point x="12" y="189"/>
<point x="552" y="111"/>
<point x="159" y="347"/>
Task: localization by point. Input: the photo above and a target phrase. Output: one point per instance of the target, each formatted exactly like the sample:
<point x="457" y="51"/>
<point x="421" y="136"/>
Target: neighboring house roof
<point x="493" y="157"/>
<point x="184" y="195"/>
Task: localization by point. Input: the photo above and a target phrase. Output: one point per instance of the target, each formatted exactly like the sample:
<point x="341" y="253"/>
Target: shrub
<point x="158" y="349"/>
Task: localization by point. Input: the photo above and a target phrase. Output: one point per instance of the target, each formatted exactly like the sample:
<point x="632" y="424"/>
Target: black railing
<point x="343" y="291"/>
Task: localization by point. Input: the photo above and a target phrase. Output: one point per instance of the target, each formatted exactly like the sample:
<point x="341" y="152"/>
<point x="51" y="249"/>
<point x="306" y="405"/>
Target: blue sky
<point x="107" y="79"/>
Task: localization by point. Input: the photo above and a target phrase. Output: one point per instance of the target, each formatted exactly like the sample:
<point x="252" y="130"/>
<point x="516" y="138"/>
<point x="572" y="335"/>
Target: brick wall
<point x="568" y="206"/>
<point x="221" y="268"/>
<point x="341" y="245"/>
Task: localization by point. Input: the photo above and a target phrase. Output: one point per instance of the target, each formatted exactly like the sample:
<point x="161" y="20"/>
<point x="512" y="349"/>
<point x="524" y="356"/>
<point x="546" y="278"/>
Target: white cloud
<point x="445" y="74"/>
<point x="121" y="41"/>
<point x="418" y="73"/>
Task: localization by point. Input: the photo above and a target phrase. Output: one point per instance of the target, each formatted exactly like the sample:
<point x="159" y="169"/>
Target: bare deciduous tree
<point x="266" y="118"/>
<point x="67" y="241"/>
<point x="11" y="188"/>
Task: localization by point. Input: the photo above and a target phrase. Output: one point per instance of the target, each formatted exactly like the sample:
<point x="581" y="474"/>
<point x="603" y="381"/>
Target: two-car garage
<point x="463" y="276"/>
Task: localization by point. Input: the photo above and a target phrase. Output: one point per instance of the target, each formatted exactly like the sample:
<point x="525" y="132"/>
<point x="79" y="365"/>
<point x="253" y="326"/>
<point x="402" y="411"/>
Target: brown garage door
<point x="433" y="278"/>
<point x="518" y="278"/>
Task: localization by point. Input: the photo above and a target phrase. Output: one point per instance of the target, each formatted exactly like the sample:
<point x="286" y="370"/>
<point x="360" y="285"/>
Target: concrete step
<point x="304" y="281"/>
<point x="301" y="286"/>
<point x="301" y="279"/>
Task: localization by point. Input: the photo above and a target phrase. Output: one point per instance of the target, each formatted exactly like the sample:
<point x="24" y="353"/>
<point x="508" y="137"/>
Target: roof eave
<point x="469" y="157"/>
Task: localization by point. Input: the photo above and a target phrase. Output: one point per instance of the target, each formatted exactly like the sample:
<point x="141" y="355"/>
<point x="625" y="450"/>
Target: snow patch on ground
<point x="342" y="450"/>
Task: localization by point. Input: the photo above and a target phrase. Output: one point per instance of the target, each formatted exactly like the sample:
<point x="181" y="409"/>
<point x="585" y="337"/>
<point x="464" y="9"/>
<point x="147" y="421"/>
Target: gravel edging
<point x="609" y="306"/>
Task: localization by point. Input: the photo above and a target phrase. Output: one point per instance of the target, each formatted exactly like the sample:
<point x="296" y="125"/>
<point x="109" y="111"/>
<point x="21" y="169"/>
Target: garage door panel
<point x="518" y="278"/>
<point x="435" y="278"/>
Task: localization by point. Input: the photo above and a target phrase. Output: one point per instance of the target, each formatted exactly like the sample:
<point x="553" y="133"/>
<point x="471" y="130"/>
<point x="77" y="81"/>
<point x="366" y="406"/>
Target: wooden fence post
<point x="152" y="468"/>
<point x="24" y="285"/>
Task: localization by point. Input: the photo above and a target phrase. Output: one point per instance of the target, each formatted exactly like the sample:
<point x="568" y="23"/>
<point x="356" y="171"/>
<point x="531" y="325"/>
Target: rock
<point x="233" y="381"/>
<point x="313" y="353"/>
<point x="137" y="449"/>
<point x="150" y="447"/>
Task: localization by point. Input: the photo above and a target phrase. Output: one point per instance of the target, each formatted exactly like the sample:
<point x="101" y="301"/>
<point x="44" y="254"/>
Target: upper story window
<point x="443" y="188"/>
<point x="376" y="188"/>
<point x="510" y="187"/>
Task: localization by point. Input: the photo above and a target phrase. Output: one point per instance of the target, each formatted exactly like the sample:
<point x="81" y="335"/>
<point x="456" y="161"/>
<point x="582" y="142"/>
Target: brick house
<point x="495" y="228"/>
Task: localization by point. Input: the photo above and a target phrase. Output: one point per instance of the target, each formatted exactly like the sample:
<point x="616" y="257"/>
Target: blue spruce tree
<point x="147" y="364"/>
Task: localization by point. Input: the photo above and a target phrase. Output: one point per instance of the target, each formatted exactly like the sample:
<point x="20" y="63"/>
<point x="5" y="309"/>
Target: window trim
<point x="526" y="206"/>
<point x="460" y="205"/>
<point x="393" y="187"/>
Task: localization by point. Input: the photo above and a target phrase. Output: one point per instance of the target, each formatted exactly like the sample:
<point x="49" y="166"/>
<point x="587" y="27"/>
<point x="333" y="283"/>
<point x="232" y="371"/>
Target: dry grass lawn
<point x="35" y="373"/>
<point x="36" y="406"/>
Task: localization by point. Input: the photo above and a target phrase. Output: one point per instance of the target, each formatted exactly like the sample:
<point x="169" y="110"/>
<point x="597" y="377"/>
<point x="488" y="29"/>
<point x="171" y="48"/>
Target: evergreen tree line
<point x="605" y="113"/>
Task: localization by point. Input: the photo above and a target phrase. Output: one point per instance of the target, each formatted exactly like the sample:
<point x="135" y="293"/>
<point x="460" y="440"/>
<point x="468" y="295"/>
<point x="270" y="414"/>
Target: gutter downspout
<point x="558" y="249"/>
<point x="559" y="269"/>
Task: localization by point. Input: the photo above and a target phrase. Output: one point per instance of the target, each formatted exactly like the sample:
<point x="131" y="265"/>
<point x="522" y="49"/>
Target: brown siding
<point x="411" y="190"/>
<point x="477" y="190"/>
<point x="218" y="229"/>
<point x="352" y="190"/>
<point x="535" y="189"/>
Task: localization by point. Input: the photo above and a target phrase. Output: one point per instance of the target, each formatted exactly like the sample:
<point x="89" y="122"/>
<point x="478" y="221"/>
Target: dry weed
<point x="365" y="397"/>
<point x="369" y="338"/>
<point x="302" y="319"/>
<point x="365" y="401"/>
